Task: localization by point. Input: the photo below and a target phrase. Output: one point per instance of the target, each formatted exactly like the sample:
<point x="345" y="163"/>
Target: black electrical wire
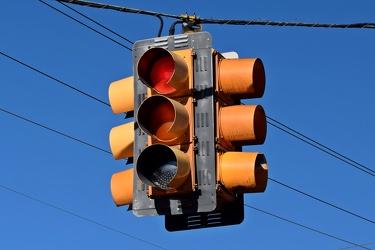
<point x="366" y="170"/>
<point x="53" y="130"/>
<point x="319" y="144"/>
<point x="364" y="25"/>
<point x="96" y="22"/>
<point x="78" y="216"/>
<point x="306" y="227"/>
<point x="53" y="78"/>
<point x="118" y="8"/>
<point x="102" y="34"/>
<point x="161" y="25"/>
<point x="320" y="200"/>
<point x="173" y="27"/>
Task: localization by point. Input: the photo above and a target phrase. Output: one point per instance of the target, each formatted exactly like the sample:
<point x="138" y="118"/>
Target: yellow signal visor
<point x="121" y="95"/>
<point x="163" y="118"/>
<point x="242" y="78"/>
<point x="121" y="140"/>
<point x="163" y="71"/>
<point x="163" y="167"/>
<point x="122" y="187"/>
<point x="243" y="125"/>
<point x="243" y="172"/>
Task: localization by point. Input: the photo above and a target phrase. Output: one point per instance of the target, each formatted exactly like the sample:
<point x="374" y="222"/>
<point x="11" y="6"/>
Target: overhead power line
<point x="306" y="227"/>
<point x="364" y="244"/>
<point x="78" y="216"/>
<point x="76" y="20"/>
<point x="291" y="24"/>
<point x="118" y="8"/>
<point x="319" y="146"/>
<point x="364" y="25"/>
<point x="53" y="130"/>
<point x="96" y="22"/>
<point x="320" y="200"/>
<point x="55" y="79"/>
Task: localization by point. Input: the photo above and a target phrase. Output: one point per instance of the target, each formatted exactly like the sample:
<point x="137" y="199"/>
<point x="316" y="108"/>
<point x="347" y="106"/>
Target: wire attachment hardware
<point x="191" y="24"/>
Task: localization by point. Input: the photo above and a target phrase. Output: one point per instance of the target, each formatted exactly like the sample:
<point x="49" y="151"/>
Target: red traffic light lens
<point x="160" y="73"/>
<point x="163" y="71"/>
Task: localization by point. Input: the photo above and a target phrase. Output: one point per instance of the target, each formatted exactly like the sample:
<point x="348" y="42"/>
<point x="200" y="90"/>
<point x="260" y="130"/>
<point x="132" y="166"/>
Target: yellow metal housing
<point x="243" y="172"/>
<point x="242" y="125"/>
<point x="242" y="78"/>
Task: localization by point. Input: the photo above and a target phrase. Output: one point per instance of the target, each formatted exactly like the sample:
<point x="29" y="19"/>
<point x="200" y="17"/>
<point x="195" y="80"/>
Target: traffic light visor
<point x="163" y="71"/>
<point x="243" y="125"/>
<point x="122" y="187"/>
<point x="121" y="95"/>
<point x="242" y="78"/>
<point x="243" y="172"/>
<point x="121" y="140"/>
<point x="162" y="166"/>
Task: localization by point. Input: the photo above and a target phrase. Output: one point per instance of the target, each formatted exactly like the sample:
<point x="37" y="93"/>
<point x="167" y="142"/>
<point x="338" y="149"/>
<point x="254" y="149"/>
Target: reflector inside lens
<point x="164" y="174"/>
<point x="163" y="167"/>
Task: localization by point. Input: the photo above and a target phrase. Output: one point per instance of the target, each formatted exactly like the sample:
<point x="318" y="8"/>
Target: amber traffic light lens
<point x="163" y="118"/>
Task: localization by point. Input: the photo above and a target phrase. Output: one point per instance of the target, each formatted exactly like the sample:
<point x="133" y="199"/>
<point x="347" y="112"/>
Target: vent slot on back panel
<point x="181" y="41"/>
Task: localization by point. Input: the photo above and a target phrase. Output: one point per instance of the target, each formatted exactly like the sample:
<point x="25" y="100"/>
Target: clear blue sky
<point x="55" y="192"/>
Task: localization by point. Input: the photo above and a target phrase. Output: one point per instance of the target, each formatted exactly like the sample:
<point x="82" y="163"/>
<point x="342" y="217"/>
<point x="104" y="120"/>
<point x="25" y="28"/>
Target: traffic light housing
<point x="188" y="131"/>
<point x="167" y="180"/>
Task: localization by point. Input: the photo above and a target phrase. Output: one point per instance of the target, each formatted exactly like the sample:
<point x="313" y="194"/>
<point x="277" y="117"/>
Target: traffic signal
<point x="188" y="132"/>
<point x="121" y="139"/>
<point x="167" y="180"/>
